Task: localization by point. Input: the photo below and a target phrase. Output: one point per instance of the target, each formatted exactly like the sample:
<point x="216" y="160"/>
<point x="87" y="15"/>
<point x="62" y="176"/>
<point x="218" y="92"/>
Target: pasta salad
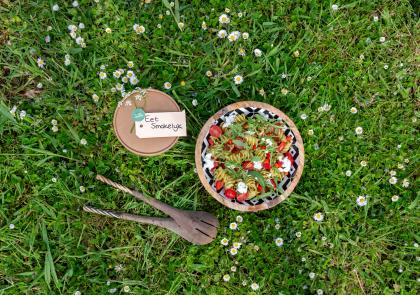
<point x="248" y="156"/>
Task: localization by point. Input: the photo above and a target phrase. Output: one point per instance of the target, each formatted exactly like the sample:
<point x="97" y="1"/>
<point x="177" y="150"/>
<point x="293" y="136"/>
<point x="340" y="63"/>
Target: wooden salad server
<point x="198" y="227"/>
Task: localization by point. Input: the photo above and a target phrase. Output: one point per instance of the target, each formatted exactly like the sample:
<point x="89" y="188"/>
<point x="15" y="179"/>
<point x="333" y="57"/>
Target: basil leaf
<point x="258" y="176"/>
<point x="238" y="142"/>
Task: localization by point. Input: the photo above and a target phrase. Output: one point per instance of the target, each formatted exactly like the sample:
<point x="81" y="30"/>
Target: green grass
<point x="55" y="248"/>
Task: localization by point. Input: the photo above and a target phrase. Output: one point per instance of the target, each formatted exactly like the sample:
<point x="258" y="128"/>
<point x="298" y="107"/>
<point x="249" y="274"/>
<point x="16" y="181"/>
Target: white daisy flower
<point x="125" y="79"/>
<point x="257" y="52"/>
<point x="375" y="18"/>
<point x="83" y="141"/>
<point x="209" y="74"/>
<point x="102" y="75"/>
<point x="54" y="128"/>
<point x="238" y="79"/>
<point x="119" y="87"/>
<point x="298" y="234"/>
<point x="130" y="74"/>
<point x="359" y="130"/>
<point x="39" y="85"/>
<point x="67" y="60"/>
<point x="47" y="39"/>
<point x="194" y="102"/>
<point x="312" y="275"/>
<point x="226" y="277"/>
<point x="348" y="173"/>
<point x="326" y="107"/>
<point x="181" y="25"/>
<point x="116" y="74"/>
<point x="82" y="189"/>
<point x="386" y="66"/>
<point x="382" y="39"/>
<point x="22" y="114"/>
<point x="72" y="28"/>
<point x="233" y="269"/>
<point x="227" y="10"/>
<point x="392" y="173"/>
<point x="40" y="62"/>
<point x="279" y="242"/>
<point x="11" y="226"/>
<point x="126" y="289"/>
<point x="361" y="201"/>
<point x="130" y="64"/>
<point x="255" y="286"/>
<point x="245" y="35"/>
<point x="224" y="242"/>
<point x="241" y="51"/>
<point x="13" y="110"/>
<point x="108" y="30"/>
<point x="56" y="7"/>
<point x="204" y="25"/>
<point x="310" y="132"/>
<point x="236" y="245"/>
<point x="233" y="251"/>
<point x="79" y="40"/>
<point x="233" y="226"/>
<point x="405" y="183"/>
<point x="353" y="110"/>
<point x="334" y="7"/>
<point x="222" y="34"/>
<point x="319" y="292"/>
<point x="318" y="216"/>
<point x="81" y="26"/>
<point x="224" y="19"/>
<point x="77" y="292"/>
<point x="234" y="36"/>
<point x="139" y="29"/>
<point x="95" y="97"/>
<point x="239" y="218"/>
<point x="75" y="4"/>
<point x="134" y="80"/>
<point x="54" y="179"/>
<point x="167" y="85"/>
<point x="395" y="198"/>
<point x="363" y="163"/>
<point x="393" y="180"/>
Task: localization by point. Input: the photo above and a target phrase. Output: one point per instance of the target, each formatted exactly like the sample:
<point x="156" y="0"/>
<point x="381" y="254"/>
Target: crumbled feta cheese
<point x="229" y="120"/>
<point x="286" y="164"/>
<point x="208" y="162"/>
<point x="268" y="142"/>
<point x="257" y="165"/>
<point x="242" y="188"/>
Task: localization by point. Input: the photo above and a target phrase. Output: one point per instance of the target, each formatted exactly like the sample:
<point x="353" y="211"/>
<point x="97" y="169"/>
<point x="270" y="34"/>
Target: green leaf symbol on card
<point x="137" y="114"/>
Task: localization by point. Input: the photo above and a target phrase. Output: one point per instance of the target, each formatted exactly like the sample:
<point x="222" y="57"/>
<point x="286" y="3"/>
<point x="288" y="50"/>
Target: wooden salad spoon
<point x="198" y="227"/>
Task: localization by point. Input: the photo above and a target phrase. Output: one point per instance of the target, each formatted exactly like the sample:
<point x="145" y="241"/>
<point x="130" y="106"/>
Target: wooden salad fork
<point x="197" y="227"/>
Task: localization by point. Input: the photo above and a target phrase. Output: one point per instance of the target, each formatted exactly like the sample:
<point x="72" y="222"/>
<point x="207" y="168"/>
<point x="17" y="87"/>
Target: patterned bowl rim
<point x="267" y="203"/>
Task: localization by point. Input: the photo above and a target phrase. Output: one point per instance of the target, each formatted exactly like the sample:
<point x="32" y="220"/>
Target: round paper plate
<point x="156" y="101"/>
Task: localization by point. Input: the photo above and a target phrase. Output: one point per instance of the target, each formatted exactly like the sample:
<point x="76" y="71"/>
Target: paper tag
<point x="169" y="124"/>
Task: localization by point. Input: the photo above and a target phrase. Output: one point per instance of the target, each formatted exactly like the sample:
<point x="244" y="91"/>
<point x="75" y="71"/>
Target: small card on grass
<point x="167" y="124"/>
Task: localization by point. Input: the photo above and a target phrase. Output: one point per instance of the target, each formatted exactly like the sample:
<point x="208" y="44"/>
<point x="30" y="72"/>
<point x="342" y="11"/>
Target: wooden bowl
<point x="249" y="108"/>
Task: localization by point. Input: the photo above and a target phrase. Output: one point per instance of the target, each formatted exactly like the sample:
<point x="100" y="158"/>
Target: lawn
<point x="346" y="73"/>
